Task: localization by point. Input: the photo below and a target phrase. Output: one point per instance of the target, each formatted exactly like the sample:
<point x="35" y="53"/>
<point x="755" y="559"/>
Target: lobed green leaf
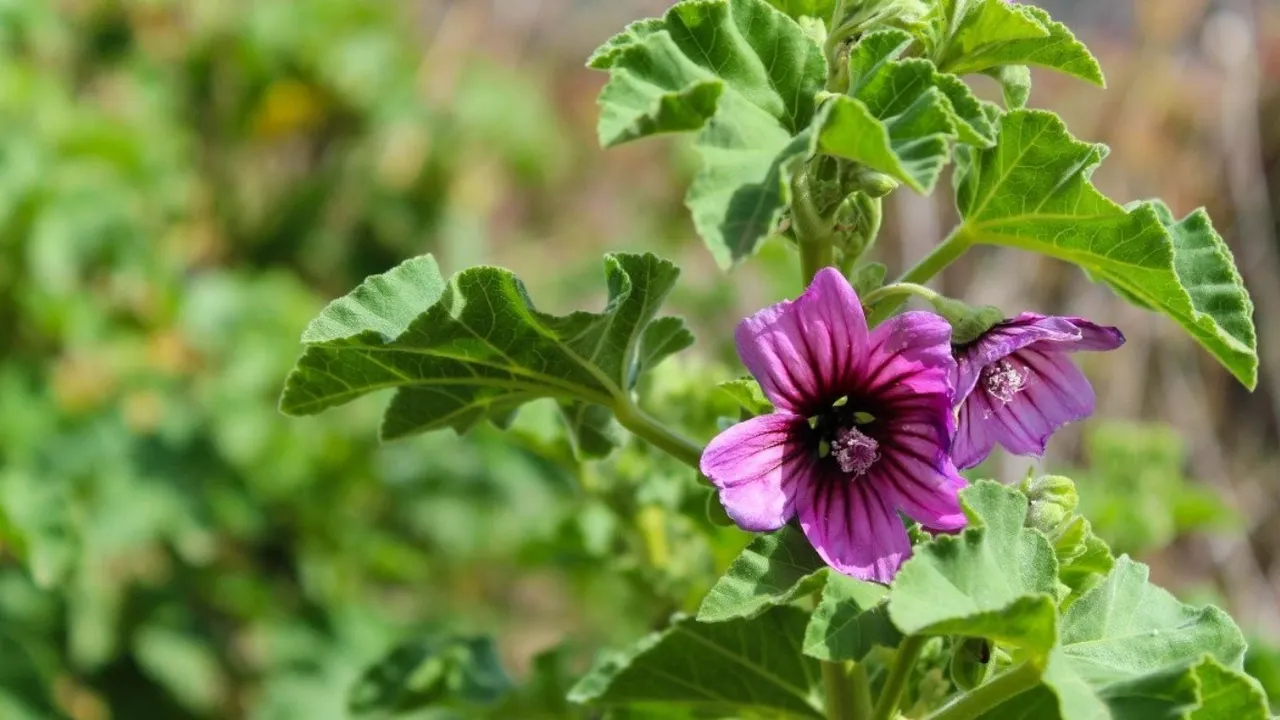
<point x="849" y="621"/>
<point x="745" y="665"/>
<point x="744" y="73"/>
<point x="475" y="348"/>
<point x="773" y="570"/>
<point x="997" y="579"/>
<point x="1032" y="191"/>
<point x="995" y="33"/>
<point x="902" y="116"/>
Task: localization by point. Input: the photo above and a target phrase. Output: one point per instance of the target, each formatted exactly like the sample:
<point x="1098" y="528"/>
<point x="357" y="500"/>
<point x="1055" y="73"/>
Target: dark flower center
<point x="854" y="450"/>
<point x="1003" y="380"/>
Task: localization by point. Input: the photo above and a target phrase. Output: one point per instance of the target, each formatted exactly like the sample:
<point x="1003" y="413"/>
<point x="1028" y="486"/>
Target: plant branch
<point x="930" y="265"/>
<point x="898" y="290"/>
<point x="989" y="695"/>
<point x="842" y="700"/>
<point x="645" y="426"/>
<point x="908" y="652"/>
<point x="813" y="231"/>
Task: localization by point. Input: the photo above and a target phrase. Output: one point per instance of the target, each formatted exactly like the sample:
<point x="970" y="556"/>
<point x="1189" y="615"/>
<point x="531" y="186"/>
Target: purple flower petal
<point x="910" y="355"/>
<point x="976" y="432"/>
<point x="1062" y="334"/>
<point x="1056" y="393"/>
<point x="756" y="465"/>
<point x="918" y="478"/>
<point x="852" y="527"/>
<point x="801" y="351"/>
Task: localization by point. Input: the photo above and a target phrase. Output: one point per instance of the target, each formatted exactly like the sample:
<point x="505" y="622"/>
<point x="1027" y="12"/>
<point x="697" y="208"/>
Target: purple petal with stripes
<point x="803" y="350"/>
<point x="852" y="527"/>
<point x="757" y="466"/>
<point x="915" y="475"/>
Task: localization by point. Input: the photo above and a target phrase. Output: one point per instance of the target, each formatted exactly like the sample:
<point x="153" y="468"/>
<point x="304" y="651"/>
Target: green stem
<point x="839" y="686"/>
<point x="861" y="691"/>
<point x="898" y="290"/>
<point x="813" y="231"/>
<point x="946" y="253"/>
<point x="908" y="652"/>
<point x="837" y="72"/>
<point x="660" y="436"/>
<point x="989" y="695"/>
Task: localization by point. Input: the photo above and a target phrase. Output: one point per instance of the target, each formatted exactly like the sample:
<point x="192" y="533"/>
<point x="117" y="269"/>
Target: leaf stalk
<point x="987" y="696"/>
<point x="645" y="426"/>
<point x="903" y="663"/>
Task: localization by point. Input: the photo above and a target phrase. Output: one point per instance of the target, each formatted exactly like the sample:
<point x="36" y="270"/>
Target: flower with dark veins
<point x="1016" y="384"/>
<point x="861" y="429"/>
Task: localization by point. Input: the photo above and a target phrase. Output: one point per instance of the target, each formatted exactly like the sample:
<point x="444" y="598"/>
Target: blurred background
<point x="185" y="183"/>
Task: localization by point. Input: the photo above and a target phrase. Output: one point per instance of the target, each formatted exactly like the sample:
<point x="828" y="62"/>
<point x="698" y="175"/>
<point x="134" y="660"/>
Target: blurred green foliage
<point x="182" y="186"/>
<point x="1135" y="492"/>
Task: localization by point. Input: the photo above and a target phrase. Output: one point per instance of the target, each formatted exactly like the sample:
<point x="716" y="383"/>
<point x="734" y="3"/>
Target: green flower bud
<point x="1053" y="502"/>
<point x="971" y="663"/>
<point x="874" y="184"/>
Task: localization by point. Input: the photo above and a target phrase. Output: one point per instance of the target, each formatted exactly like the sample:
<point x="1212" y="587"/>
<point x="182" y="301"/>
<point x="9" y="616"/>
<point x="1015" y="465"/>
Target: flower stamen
<point x="1003" y="380"/>
<point x="854" y="450"/>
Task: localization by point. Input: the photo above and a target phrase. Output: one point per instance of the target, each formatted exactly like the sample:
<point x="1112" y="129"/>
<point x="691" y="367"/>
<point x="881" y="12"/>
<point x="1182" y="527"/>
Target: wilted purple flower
<point x="1015" y="384"/>
<point x="861" y="429"/>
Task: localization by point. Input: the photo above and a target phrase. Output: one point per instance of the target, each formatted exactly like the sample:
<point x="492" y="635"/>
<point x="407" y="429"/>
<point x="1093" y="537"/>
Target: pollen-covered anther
<point x="855" y="451"/>
<point x="1003" y="380"/>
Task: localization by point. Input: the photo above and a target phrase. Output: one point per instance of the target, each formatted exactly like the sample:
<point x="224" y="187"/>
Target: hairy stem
<point x="813" y="231"/>
<point x="908" y="652"/>
<point x="943" y="255"/>
<point x="989" y="695"/>
<point x="861" y="691"/>
<point x="643" y="425"/>
<point x="839" y="686"/>
<point x="898" y="290"/>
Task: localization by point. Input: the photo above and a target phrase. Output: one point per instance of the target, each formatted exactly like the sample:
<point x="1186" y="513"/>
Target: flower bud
<point x="874" y="184"/>
<point x="1053" y="502"/>
<point x="970" y="663"/>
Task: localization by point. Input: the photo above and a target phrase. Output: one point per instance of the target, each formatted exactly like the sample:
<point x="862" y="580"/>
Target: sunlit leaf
<point x="476" y="348"/>
<point x="747" y="76"/>
<point x="996" y="579"/>
<point x="995" y="33"/>
<point x="749" y="665"/>
<point x="901" y="116"/>
<point x="849" y="621"/>
<point x="1032" y="191"/>
<point x="774" y="569"/>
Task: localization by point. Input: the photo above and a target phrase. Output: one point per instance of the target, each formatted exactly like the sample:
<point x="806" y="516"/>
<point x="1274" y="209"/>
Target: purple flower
<point x="861" y="429"/>
<point x="1015" y="384"/>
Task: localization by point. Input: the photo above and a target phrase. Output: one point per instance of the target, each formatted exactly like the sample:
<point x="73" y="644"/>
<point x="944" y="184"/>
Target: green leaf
<point x="1015" y="82"/>
<point x="996" y="579"/>
<point x="747" y="393"/>
<point x="742" y="665"/>
<point x="1130" y="646"/>
<point x="1228" y="694"/>
<point x="849" y="621"/>
<point x="431" y="672"/>
<point x="869" y="277"/>
<point x="744" y="73"/>
<point x="476" y="348"/>
<point x="1127" y="627"/>
<point x="1032" y="191"/>
<point x="774" y="569"/>
<point x="901" y="116"/>
<point x="995" y="33"/>
<point x="823" y="9"/>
